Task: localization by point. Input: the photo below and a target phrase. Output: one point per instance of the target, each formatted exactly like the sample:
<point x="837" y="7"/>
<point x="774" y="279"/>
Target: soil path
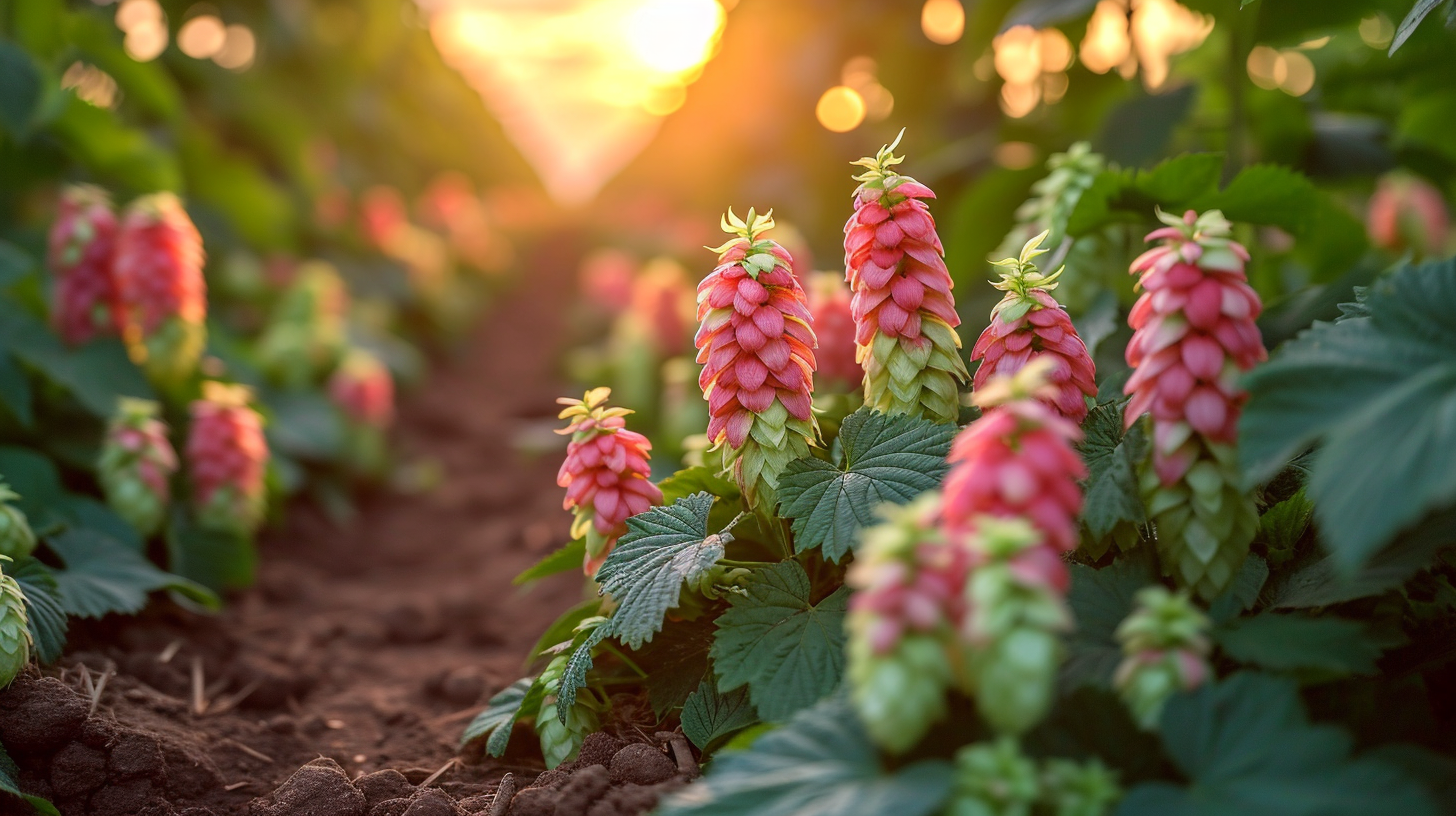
<point x="371" y="643"/>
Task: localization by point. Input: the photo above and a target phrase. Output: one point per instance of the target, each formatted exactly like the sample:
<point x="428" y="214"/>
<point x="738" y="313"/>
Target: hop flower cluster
<point x="903" y="308"/>
<point x="81" y="246"/>
<point x="1407" y="213"/>
<point x="306" y="335"/>
<point x="1165" y="647"/>
<point x="15" y="639"/>
<point x="1055" y="197"/>
<point x="363" y="389"/>
<point x="1194" y="334"/>
<point x="606" y="473"/>
<point x="226" y="458"/>
<point x="158" y="268"/>
<point x="136" y="465"/>
<point x="17" y="539"/>
<point x="756" y="344"/>
<point x="1029" y="324"/>
<point x="830" y="304"/>
<point x="998" y="779"/>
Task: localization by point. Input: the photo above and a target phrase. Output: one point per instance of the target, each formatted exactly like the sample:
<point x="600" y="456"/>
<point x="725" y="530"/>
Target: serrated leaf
<point x="1131" y="194"/>
<point x="1100" y="599"/>
<point x="561" y="629"/>
<point x="102" y="576"/>
<point x="1411" y="22"/>
<point x="9" y="783"/>
<point x="886" y="459"/>
<point x="498" y="718"/>
<point x="1323" y="648"/>
<point x="820" y="764"/>
<point x="1242" y="592"/>
<point x="565" y="559"/>
<point x="708" y="716"/>
<point x="573" y="677"/>
<point x="1112" y="459"/>
<point x="787" y="651"/>
<point x="1247" y="747"/>
<point x="1380" y="392"/>
<point x="1283" y="525"/>
<point x="676" y="662"/>
<point x="645" y="571"/>
<point x="700" y="479"/>
<point x="46" y="616"/>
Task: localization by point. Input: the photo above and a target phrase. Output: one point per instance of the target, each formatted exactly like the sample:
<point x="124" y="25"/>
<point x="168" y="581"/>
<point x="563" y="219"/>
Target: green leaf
<point x="1101" y="599"/>
<point x="215" y="559"/>
<point x="645" y="571"/>
<point x="498" y="718"/>
<point x="103" y="576"/>
<point x="709" y="717"/>
<point x="15" y="391"/>
<point x="1323" y="648"/>
<point x="304" y="425"/>
<point x="580" y="662"/>
<point x="20" y="89"/>
<point x="1247" y="747"/>
<point x="46" y="615"/>
<point x="1243" y="593"/>
<point x="568" y="558"/>
<point x="15" y="264"/>
<point x="820" y="764"/>
<point x="9" y="783"/>
<point x="1130" y="195"/>
<point x="1380" y="391"/>
<point x="700" y="479"/>
<point x="789" y="652"/>
<point x="1412" y="20"/>
<point x="96" y="374"/>
<point x="886" y="459"/>
<point x="676" y="662"/>
<point x="1283" y="525"/>
<point x="1112" y="458"/>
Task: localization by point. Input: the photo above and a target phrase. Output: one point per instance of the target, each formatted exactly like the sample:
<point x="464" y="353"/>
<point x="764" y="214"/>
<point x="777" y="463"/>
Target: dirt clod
<point x="319" y="788"/>
<point x="598" y="749"/>
<point x="77" y="770"/>
<point x="382" y="785"/>
<point x="431" y="802"/>
<point x="641" y="764"/>
<point x="39" y="715"/>
<point x="534" y="802"/>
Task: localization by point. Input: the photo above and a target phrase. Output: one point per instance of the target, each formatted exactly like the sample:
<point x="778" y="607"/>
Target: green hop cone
<point x="561" y="737"/>
<point x="1205" y="522"/>
<point x="136" y="465"/>
<point x="15" y="643"/>
<point x="899" y="695"/>
<point x="994" y="779"/>
<point x="17" y="540"/>
<point x="306" y="336"/>
<point x="1165" y="649"/>
<point x="1078" y="789"/>
<point x="1015" y="678"/>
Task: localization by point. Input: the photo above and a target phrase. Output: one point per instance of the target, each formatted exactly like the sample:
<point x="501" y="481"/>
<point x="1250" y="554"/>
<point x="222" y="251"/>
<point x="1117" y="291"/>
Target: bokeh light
<point x="1289" y="71"/>
<point x="1128" y="34"/>
<point x="1377" y="31"/>
<point x="673" y="35"/>
<point x="860" y="73"/>
<point x="145" y="28"/>
<point x="840" y="109"/>
<point x="202" y="37"/>
<point x="1015" y="155"/>
<point x="943" y="21"/>
<point x="91" y="84"/>
<point x="239" y="48"/>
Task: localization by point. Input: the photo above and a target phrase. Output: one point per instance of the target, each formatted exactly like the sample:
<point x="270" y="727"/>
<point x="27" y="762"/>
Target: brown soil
<point x="363" y="650"/>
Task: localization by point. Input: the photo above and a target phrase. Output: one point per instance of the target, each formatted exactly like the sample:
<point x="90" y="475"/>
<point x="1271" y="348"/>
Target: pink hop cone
<point x="756" y="344"/>
<point x="158" y="268"/>
<point x="829" y="302"/>
<point x="136" y="465"/>
<point x="363" y="389"/>
<point x="607" y="473"/>
<point x="1028" y="324"/>
<point x="1193" y="335"/>
<point x="1408" y="213"/>
<point x="662" y="304"/>
<point x="1018" y="461"/>
<point x="226" y="459"/>
<point x="902" y="306"/>
<point x="82" y="242"/>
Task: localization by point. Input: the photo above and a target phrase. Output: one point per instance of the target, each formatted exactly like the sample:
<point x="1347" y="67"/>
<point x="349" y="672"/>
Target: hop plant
<point x="158" y="268"/>
<point x="363" y="389"/>
<point x="994" y="779"/>
<point x="306" y="335"/>
<point x="1165" y="650"/>
<point x="1408" y="213"/>
<point x="17" y="540"/>
<point x="1018" y="460"/>
<point x="1055" y="196"/>
<point x="226" y="458"/>
<point x="561" y="737"/>
<point x="15" y="640"/>
<point x="1078" y="789"/>
<point x="80" y="257"/>
<point x="606" y="473"/>
<point x="136" y="465"/>
<point x="830" y="304"/>
<point x="756" y="344"/>
<point x="903" y="309"/>
<point x="1194" y="334"/>
<point x="905" y="614"/>
<point x="1029" y="324"/>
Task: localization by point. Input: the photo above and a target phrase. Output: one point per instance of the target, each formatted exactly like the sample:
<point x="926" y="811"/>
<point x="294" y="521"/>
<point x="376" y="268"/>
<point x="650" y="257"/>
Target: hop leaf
<point x="708" y="716"/>
<point x="47" y="618"/>
<point x="499" y="716"/>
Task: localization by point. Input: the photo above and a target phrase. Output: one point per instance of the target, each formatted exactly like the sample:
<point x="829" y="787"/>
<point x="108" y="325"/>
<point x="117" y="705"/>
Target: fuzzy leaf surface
<point x="580" y="662"/>
<point x="102" y="576"/>
<point x="787" y="651"/>
<point x="1380" y="393"/>
<point x="645" y="571"/>
<point x="46" y="615"/>
<point x="708" y="716"/>
<point x="499" y="717"/>
<point x="820" y="764"/>
<point x="1112" y="459"/>
<point x="886" y="459"/>
<point x="1246" y="746"/>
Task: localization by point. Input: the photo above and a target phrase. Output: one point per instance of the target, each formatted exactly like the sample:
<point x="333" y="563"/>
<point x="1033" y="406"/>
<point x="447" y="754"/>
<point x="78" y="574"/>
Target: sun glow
<point x="580" y="86"/>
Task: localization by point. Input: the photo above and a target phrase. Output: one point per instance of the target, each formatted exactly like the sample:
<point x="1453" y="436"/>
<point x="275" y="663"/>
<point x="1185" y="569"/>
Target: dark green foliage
<point x="499" y="717"/>
<point x="709" y="717"/>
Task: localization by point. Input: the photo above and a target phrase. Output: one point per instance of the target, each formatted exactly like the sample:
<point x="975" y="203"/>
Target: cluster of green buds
<point x="17" y="540"/>
<point x="1165" y="650"/>
<point x="306" y="335"/>
<point x="998" y="779"/>
<point x="15" y="641"/>
<point x="562" y="733"/>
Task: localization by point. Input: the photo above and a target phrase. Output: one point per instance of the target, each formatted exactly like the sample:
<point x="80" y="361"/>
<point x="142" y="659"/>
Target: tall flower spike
<point x="756" y="345"/>
<point x="1165" y="650"/>
<point x="226" y="457"/>
<point x="904" y="619"/>
<point x="136" y="465"/>
<point x="606" y="474"/>
<point x="158" y="267"/>
<point x="1028" y="324"/>
<point x="80" y="257"/>
<point x="1194" y="334"/>
<point x="1056" y="195"/>
<point x="903" y="309"/>
<point x="829" y="302"/>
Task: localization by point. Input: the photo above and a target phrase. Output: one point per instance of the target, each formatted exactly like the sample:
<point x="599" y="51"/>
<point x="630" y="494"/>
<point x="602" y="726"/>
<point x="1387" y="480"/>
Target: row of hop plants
<point x="921" y="603"/>
<point x="133" y="278"/>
